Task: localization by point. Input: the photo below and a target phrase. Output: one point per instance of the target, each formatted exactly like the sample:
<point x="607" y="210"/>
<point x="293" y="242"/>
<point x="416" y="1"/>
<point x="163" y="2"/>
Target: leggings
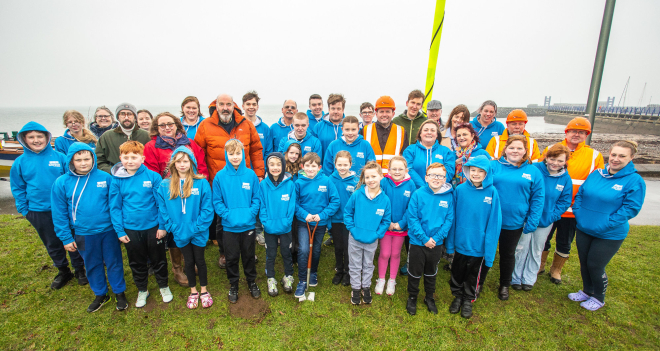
<point x="508" y="242"/>
<point x="595" y="254"/>
<point x="390" y="251"/>
<point x="193" y="253"/>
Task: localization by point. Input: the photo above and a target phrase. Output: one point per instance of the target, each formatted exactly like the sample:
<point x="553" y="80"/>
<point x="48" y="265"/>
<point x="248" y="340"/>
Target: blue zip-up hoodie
<point x="278" y="131"/>
<point x="430" y="214"/>
<point x="361" y="153"/>
<point x="327" y="132"/>
<point x="308" y="144"/>
<point x="486" y="133"/>
<point x="400" y="194"/>
<point x="522" y="193"/>
<point x="32" y="174"/>
<point x="133" y="199"/>
<point x="605" y="203"/>
<point x="187" y="219"/>
<point x="312" y="119"/>
<point x="316" y="196"/>
<point x="264" y="136"/>
<point x="368" y="219"/>
<point x="236" y="196"/>
<point x="191" y="131"/>
<point x="419" y="157"/>
<point x="558" y="194"/>
<point x="81" y="202"/>
<point x="63" y="143"/>
<point x="277" y="205"/>
<point x="345" y="188"/>
<point x="478" y="219"/>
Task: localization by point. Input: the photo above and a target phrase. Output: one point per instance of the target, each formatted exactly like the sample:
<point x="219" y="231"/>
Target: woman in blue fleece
<point x="473" y="237"/>
<point x="522" y="193"/>
<point x="367" y="215"/>
<point x="76" y="131"/>
<point x="607" y="200"/>
<point x="558" y="195"/>
<point x="185" y="208"/>
<point x="81" y="214"/>
<point x="427" y="151"/>
<point x="31" y="178"/>
<point x="485" y="123"/>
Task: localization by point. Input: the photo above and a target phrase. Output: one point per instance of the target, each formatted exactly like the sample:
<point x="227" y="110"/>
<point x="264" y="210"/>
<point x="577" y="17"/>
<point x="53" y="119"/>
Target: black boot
<point x="503" y="293"/>
<point x="62" y="277"/>
<point x="337" y="278"/>
<point x="233" y="293"/>
<point x="466" y="309"/>
<point x="346" y="279"/>
<point x="122" y="303"/>
<point x="81" y="275"/>
<point x="455" y="306"/>
<point x="411" y="306"/>
<point x="430" y="304"/>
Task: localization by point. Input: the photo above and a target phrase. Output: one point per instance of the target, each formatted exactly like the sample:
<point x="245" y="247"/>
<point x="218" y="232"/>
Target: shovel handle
<point x="311" y="241"/>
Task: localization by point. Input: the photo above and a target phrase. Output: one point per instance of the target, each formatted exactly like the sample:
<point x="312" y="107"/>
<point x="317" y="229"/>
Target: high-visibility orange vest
<point x="392" y="147"/>
<point x="496" y="146"/>
<point x="584" y="160"/>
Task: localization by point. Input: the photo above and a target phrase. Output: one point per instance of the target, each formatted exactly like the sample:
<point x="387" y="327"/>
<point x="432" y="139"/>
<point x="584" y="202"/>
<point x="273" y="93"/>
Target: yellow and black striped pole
<point x="438" y="20"/>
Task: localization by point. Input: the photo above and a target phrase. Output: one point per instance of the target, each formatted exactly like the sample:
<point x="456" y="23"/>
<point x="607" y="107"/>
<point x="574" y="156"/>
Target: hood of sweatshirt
<point x="492" y="124"/>
<point x="190" y="155"/>
<point x="76" y="147"/>
<point x="355" y="142"/>
<point x="67" y="135"/>
<point x="352" y="176"/>
<point x="445" y="188"/>
<point x="311" y="116"/>
<point x="627" y="170"/>
<point x="229" y="168"/>
<point x="119" y="171"/>
<point x="482" y="162"/>
<point x="28" y="127"/>
<point x="543" y="167"/>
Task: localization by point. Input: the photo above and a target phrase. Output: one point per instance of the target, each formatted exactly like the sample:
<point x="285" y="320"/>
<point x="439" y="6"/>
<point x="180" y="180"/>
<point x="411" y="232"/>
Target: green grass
<point x="34" y="317"/>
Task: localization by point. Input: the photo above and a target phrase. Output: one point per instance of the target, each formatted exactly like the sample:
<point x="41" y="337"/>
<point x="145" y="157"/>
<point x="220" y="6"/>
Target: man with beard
<point x="284" y="126"/>
<point x="107" y="149"/>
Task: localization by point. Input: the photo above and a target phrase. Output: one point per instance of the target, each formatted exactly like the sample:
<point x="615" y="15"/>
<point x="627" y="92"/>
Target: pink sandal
<point x="207" y="300"/>
<point x="193" y="301"/>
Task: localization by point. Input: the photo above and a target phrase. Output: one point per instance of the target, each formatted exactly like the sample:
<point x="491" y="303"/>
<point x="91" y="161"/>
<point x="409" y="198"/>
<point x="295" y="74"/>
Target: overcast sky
<point x="73" y="53"/>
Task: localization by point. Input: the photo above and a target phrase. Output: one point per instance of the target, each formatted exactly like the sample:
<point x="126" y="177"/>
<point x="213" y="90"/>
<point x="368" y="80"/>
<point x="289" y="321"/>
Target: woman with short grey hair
<point x="104" y="120"/>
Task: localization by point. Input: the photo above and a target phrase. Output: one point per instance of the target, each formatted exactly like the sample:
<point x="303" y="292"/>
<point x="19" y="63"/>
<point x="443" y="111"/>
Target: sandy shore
<point x="649" y="146"/>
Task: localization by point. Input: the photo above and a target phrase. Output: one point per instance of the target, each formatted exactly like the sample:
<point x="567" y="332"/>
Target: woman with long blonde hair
<point x="76" y="131"/>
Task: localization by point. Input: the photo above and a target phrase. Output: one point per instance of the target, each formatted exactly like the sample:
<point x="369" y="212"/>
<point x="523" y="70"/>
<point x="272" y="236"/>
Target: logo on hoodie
<point x="102" y="184"/>
<point x="527" y="176"/>
<point x="360" y="155"/>
<point x="488" y="200"/>
<point x="494" y="134"/>
<point x="350" y="188"/>
<point x="406" y="193"/>
<point x="261" y="135"/>
<point x="146" y="184"/>
<point x="444" y="204"/>
<point x="308" y="148"/>
<point x="380" y="212"/>
<point x="323" y="189"/>
<point x="438" y="157"/>
<point x="285" y="197"/>
<point x="560" y="187"/>
<point x="617" y="187"/>
<point x="194" y="191"/>
<point x="246" y="186"/>
<point x="54" y="164"/>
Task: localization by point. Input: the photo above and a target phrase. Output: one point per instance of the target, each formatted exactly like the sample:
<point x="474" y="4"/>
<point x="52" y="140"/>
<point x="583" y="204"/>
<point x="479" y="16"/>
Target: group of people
<point x="457" y="190"/>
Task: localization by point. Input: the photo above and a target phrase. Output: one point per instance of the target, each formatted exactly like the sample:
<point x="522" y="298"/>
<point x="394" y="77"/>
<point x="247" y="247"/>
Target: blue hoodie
<point x="605" y="203"/>
<point x="522" y="192"/>
<point x="317" y="195"/>
<point x="368" y="219"/>
<point x="277" y="205"/>
<point x="478" y="219"/>
<point x="191" y="131"/>
<point x="345" y="188"/>
<point x="308" y="144"/>
<point x="236" y="196"/>
<point x="187" y="219"/>
<point x="278" y="131"/>
<point x="430" y="214"/>
<point x="558" y="194"/>
<point x="361" y="152"/>
<point x="264" y="136"/>
<point x="312" y="119"/>
<point x="63" y="143"/>
<point x="32" y="174"/>
<point x="419" y="157"/>
<point x="133" y="199"/>
<point x="327" y="132"/>
<point x="494" y="129"/>
<point x="400" y="194"/>
<point x="81" y="202"/>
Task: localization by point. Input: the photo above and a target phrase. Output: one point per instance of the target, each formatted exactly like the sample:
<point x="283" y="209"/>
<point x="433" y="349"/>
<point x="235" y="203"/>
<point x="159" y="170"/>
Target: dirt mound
<point x="248" y="307"/>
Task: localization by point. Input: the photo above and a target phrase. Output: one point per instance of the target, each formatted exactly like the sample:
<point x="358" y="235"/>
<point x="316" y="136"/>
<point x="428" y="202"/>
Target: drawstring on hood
<point x="74" y="149"/>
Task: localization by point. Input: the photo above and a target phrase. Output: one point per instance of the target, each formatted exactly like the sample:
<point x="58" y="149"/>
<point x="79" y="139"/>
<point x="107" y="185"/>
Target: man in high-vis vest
<point x="583" y="161"/>
<point x="515" y="125"/>
<point x="387" y="139"/>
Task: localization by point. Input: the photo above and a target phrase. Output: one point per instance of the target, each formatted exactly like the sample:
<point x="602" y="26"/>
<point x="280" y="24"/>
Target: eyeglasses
<point x="578" y="132"/>
<point x="166" y="125"/>
<point x="436" y="176"/>
<point x="367" y="113"/>
<point x="289" y="107"/>
<point x="125" y="114"/>
<point x="103" y="116"/>
<point x="73" y="123"/>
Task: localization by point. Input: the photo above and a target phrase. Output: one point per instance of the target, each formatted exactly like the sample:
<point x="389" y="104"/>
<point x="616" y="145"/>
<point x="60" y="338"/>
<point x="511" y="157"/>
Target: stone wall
<point x="502" y="112"/>
<point x="610" y="124"/>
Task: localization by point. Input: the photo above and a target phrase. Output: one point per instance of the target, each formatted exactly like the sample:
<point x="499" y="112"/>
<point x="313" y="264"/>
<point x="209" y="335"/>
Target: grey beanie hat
<point x="434" y="105"/>
<point x="126" y="106"/>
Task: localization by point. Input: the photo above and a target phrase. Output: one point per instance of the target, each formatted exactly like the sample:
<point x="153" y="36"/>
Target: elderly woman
<point x="426" y="151"/>
<point x="104" y="120"/>
<point x="459" y="115"/>
<point x="74" y="121"/>
<point x="467" y="147"/>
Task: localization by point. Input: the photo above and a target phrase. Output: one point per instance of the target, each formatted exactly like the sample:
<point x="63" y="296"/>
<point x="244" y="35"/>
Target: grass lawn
<point x="35" y="317"/>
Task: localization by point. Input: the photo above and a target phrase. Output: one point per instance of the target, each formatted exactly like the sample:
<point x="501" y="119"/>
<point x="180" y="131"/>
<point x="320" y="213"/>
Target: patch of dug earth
<point x="249" y="308"/>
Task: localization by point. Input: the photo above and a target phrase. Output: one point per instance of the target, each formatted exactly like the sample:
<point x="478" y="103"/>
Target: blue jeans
<point x="303" y="249"/>
<point x="528" y="256"/>
<point x="97" y="250"/>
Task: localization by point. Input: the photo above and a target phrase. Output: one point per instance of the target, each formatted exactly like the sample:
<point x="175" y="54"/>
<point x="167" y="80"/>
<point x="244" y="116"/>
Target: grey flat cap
<point x="434" y="105"/>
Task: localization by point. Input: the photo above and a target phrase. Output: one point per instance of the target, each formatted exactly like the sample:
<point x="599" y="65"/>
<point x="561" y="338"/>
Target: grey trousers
<point x="361" y="262"/>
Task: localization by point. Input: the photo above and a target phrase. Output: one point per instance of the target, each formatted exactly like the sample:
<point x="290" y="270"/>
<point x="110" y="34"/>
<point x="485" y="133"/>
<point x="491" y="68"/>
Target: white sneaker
<point x="390" y="286"/>
<point x="166" y="294"/>
<point x="141" y="299"/>
<point x="380" y="285"/>
<point x="272" y="287"/>
<point x="287" y="283"/>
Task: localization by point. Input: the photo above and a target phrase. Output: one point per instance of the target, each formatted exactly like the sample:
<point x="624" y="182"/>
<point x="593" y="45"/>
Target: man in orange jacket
<point x="515" y="125"/>
<point x="583" y="161"/>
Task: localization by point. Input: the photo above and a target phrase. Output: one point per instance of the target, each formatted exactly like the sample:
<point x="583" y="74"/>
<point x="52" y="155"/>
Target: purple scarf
<point x="165" y="142"/>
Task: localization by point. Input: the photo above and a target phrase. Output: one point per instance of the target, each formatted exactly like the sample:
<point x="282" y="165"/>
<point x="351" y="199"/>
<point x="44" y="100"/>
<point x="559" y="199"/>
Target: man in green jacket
<point x="107" y="148"/>
<point x="413" y="117"/>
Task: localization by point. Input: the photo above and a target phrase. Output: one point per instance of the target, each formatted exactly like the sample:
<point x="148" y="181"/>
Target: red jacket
<point x="157" y="159"/>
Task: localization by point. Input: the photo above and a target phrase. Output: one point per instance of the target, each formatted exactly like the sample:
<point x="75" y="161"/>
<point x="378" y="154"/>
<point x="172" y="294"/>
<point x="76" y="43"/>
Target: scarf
<point x="165" y="142"/>
<point x="464" y="154"/>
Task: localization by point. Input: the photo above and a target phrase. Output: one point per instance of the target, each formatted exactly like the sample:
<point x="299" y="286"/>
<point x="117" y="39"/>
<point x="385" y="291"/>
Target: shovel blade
<point x="310" y="297"/>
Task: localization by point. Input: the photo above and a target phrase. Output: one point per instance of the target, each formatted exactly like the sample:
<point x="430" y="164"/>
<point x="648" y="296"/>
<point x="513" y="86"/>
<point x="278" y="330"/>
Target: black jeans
<point x="507" y="249"/>
<point x="340" y="238"/>
<point x="565" y="228"/>
<point x="595" y="254"/>
<point x="271" y="253"/>
<point x="465" y="272"/>
<point x="43" y="223"/>
<point x="143" y="247"/>
<point x="239" y="246"/>
<point x="194" y="256"/>
<point x="215" y="233"/>
<point x="423" y="261"/>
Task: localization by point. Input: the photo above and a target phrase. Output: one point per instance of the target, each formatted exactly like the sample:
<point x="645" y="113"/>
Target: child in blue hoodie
<point x="474" y="234"/>
<point x="81" y="214"/>
<point x="607" y="200"/>
<point x="351" y="141"/>
<point x="277" y="206"/>
<point x="430" y="216"/>
<point x="185" y="207"/>
<point x="302" y="135"/>
<point x="31" y="178"/>
<point x="134" y="209"/>
<point x="345" y="181"/>
<point x="367" y="216"/>
<point x="236" y="201"/>
<point x="316" y="201"/>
